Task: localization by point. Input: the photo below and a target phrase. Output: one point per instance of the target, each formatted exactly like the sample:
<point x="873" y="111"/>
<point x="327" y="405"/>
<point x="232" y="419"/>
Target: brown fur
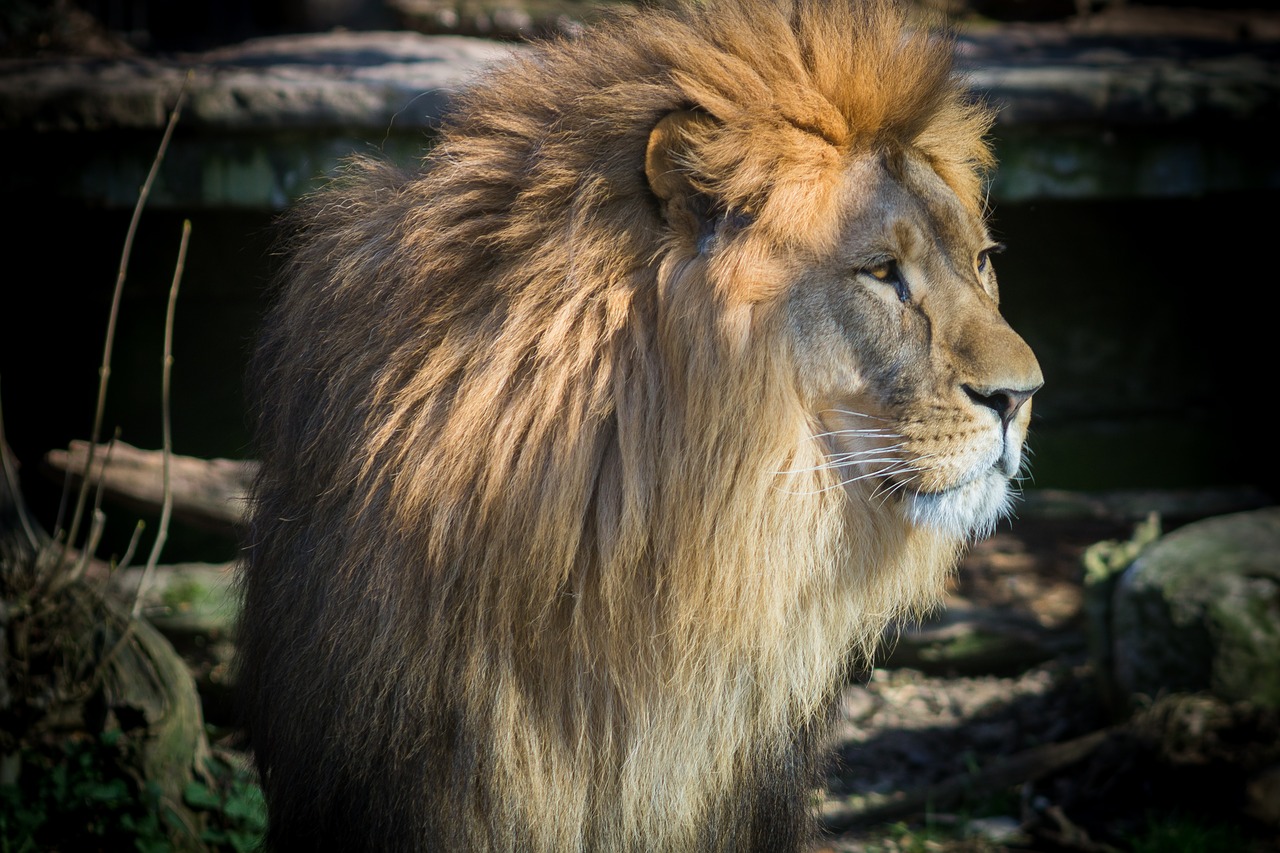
<point x="547" y="552"/>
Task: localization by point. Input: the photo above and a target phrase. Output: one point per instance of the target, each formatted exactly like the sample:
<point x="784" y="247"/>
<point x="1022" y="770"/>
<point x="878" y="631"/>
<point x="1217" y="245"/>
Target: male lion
<point x="594" y="449"/>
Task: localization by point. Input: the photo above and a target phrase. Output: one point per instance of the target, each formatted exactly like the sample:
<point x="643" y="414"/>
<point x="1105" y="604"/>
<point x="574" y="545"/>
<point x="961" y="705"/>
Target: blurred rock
<point x="1199" y="609"/>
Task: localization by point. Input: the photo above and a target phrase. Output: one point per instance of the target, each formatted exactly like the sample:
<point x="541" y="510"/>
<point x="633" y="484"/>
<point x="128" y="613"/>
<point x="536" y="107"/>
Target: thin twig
<point x="104" y="371"/>
<point x="96" y="526"/>
<point x="133" y="546"/>
<point x="98" y="519"/>
<point x="99" y="523"/>
<point x="166" y="504"/>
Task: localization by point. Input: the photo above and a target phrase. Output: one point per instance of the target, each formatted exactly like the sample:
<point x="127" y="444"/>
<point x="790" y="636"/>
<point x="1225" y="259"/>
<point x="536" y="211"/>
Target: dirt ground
<point x="949" y="757"/>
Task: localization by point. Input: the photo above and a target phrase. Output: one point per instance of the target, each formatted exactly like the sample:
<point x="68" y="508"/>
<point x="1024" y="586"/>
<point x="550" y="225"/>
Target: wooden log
<point x="211" y="492"/>
<point x="206" y="492"/>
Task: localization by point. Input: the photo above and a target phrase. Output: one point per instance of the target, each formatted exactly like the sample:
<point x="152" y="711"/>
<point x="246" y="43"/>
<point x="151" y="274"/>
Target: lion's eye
<point x="889" y="273"/>
<point x="984" y="257"/>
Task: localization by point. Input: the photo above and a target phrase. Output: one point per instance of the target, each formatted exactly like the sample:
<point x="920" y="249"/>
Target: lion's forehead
<point x="904" y="209"/>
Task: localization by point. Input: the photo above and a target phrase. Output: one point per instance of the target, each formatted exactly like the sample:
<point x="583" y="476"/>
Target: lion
<point x="596" y="450"/>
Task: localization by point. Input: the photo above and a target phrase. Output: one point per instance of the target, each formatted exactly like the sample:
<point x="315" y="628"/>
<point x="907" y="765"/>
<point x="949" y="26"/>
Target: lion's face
<point x="918" y="389"/>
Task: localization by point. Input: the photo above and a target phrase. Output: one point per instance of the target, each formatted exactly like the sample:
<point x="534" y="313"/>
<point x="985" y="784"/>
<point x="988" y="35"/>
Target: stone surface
<point x="1091" y="109"/>
<point x="261" y="121"/>
<point x="330" y="81"/>
<point x="1199" y="609"/>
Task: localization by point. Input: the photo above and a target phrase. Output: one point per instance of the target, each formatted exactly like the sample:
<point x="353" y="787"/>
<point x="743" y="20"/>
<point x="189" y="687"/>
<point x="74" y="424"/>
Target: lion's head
<point x="593" y="449"/>
<point x="922" y="391"/>
<point x="887" y="305"/>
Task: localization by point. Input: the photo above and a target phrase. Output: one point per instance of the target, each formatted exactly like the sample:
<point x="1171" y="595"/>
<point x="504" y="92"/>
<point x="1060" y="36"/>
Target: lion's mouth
<point x="967" y="510"/>
<point x="962" y="490"/>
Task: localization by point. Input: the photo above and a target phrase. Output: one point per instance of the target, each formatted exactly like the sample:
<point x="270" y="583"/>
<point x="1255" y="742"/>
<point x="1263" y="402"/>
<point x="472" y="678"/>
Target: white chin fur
<point x="965" y="512"/>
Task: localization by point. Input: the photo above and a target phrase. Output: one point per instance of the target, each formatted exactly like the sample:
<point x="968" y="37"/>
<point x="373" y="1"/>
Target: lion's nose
<point x="1005" y="402"/>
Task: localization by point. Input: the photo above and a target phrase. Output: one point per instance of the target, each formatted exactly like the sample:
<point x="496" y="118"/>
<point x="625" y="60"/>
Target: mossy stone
<point x="1200" y="610"/>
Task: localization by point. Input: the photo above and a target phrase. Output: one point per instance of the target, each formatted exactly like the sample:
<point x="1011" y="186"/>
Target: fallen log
<point x="209" y="493"/>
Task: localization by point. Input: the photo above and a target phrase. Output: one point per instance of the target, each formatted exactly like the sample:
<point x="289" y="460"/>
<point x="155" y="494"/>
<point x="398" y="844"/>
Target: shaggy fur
<point x="545" y="554"/>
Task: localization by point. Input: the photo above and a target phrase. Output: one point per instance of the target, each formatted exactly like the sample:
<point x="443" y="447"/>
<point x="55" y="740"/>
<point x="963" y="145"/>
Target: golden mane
<point x="519" y="496"/>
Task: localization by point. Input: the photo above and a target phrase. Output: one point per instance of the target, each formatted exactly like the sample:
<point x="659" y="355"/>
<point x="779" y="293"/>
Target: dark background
<point x="1152" y="317"/>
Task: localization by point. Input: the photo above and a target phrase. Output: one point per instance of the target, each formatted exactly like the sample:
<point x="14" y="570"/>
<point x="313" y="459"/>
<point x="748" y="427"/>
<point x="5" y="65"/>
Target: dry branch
<point x="104" y="369"/>
<point x="843" y="815"/>
<point x="207" y="492"/>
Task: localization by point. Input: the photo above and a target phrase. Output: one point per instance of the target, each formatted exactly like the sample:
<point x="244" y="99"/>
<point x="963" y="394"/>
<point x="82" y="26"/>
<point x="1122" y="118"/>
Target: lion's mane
<point x="520" y="573"/>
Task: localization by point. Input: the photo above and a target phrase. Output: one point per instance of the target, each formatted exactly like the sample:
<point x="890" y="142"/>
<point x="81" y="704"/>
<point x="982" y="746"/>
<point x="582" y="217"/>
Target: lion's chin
<point x="969" y="511"/>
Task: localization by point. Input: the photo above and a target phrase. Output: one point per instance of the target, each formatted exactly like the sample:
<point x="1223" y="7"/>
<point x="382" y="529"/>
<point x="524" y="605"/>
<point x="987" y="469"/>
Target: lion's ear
<point x="666" y="157"/>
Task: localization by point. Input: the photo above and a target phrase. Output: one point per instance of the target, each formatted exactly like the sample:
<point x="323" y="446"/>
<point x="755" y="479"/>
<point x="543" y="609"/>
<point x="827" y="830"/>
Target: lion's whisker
<point x="839" y="462"/>
<point x="856" y="414"/>
<point x="898" y="446"/>
<point x="899" y="485"/>
<point x="850" y="457"/>
<point x="867" y="431"/>
<point x="883" y="474"/>
<point x="849" y="481"/>
<point x="868" y="451"/>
